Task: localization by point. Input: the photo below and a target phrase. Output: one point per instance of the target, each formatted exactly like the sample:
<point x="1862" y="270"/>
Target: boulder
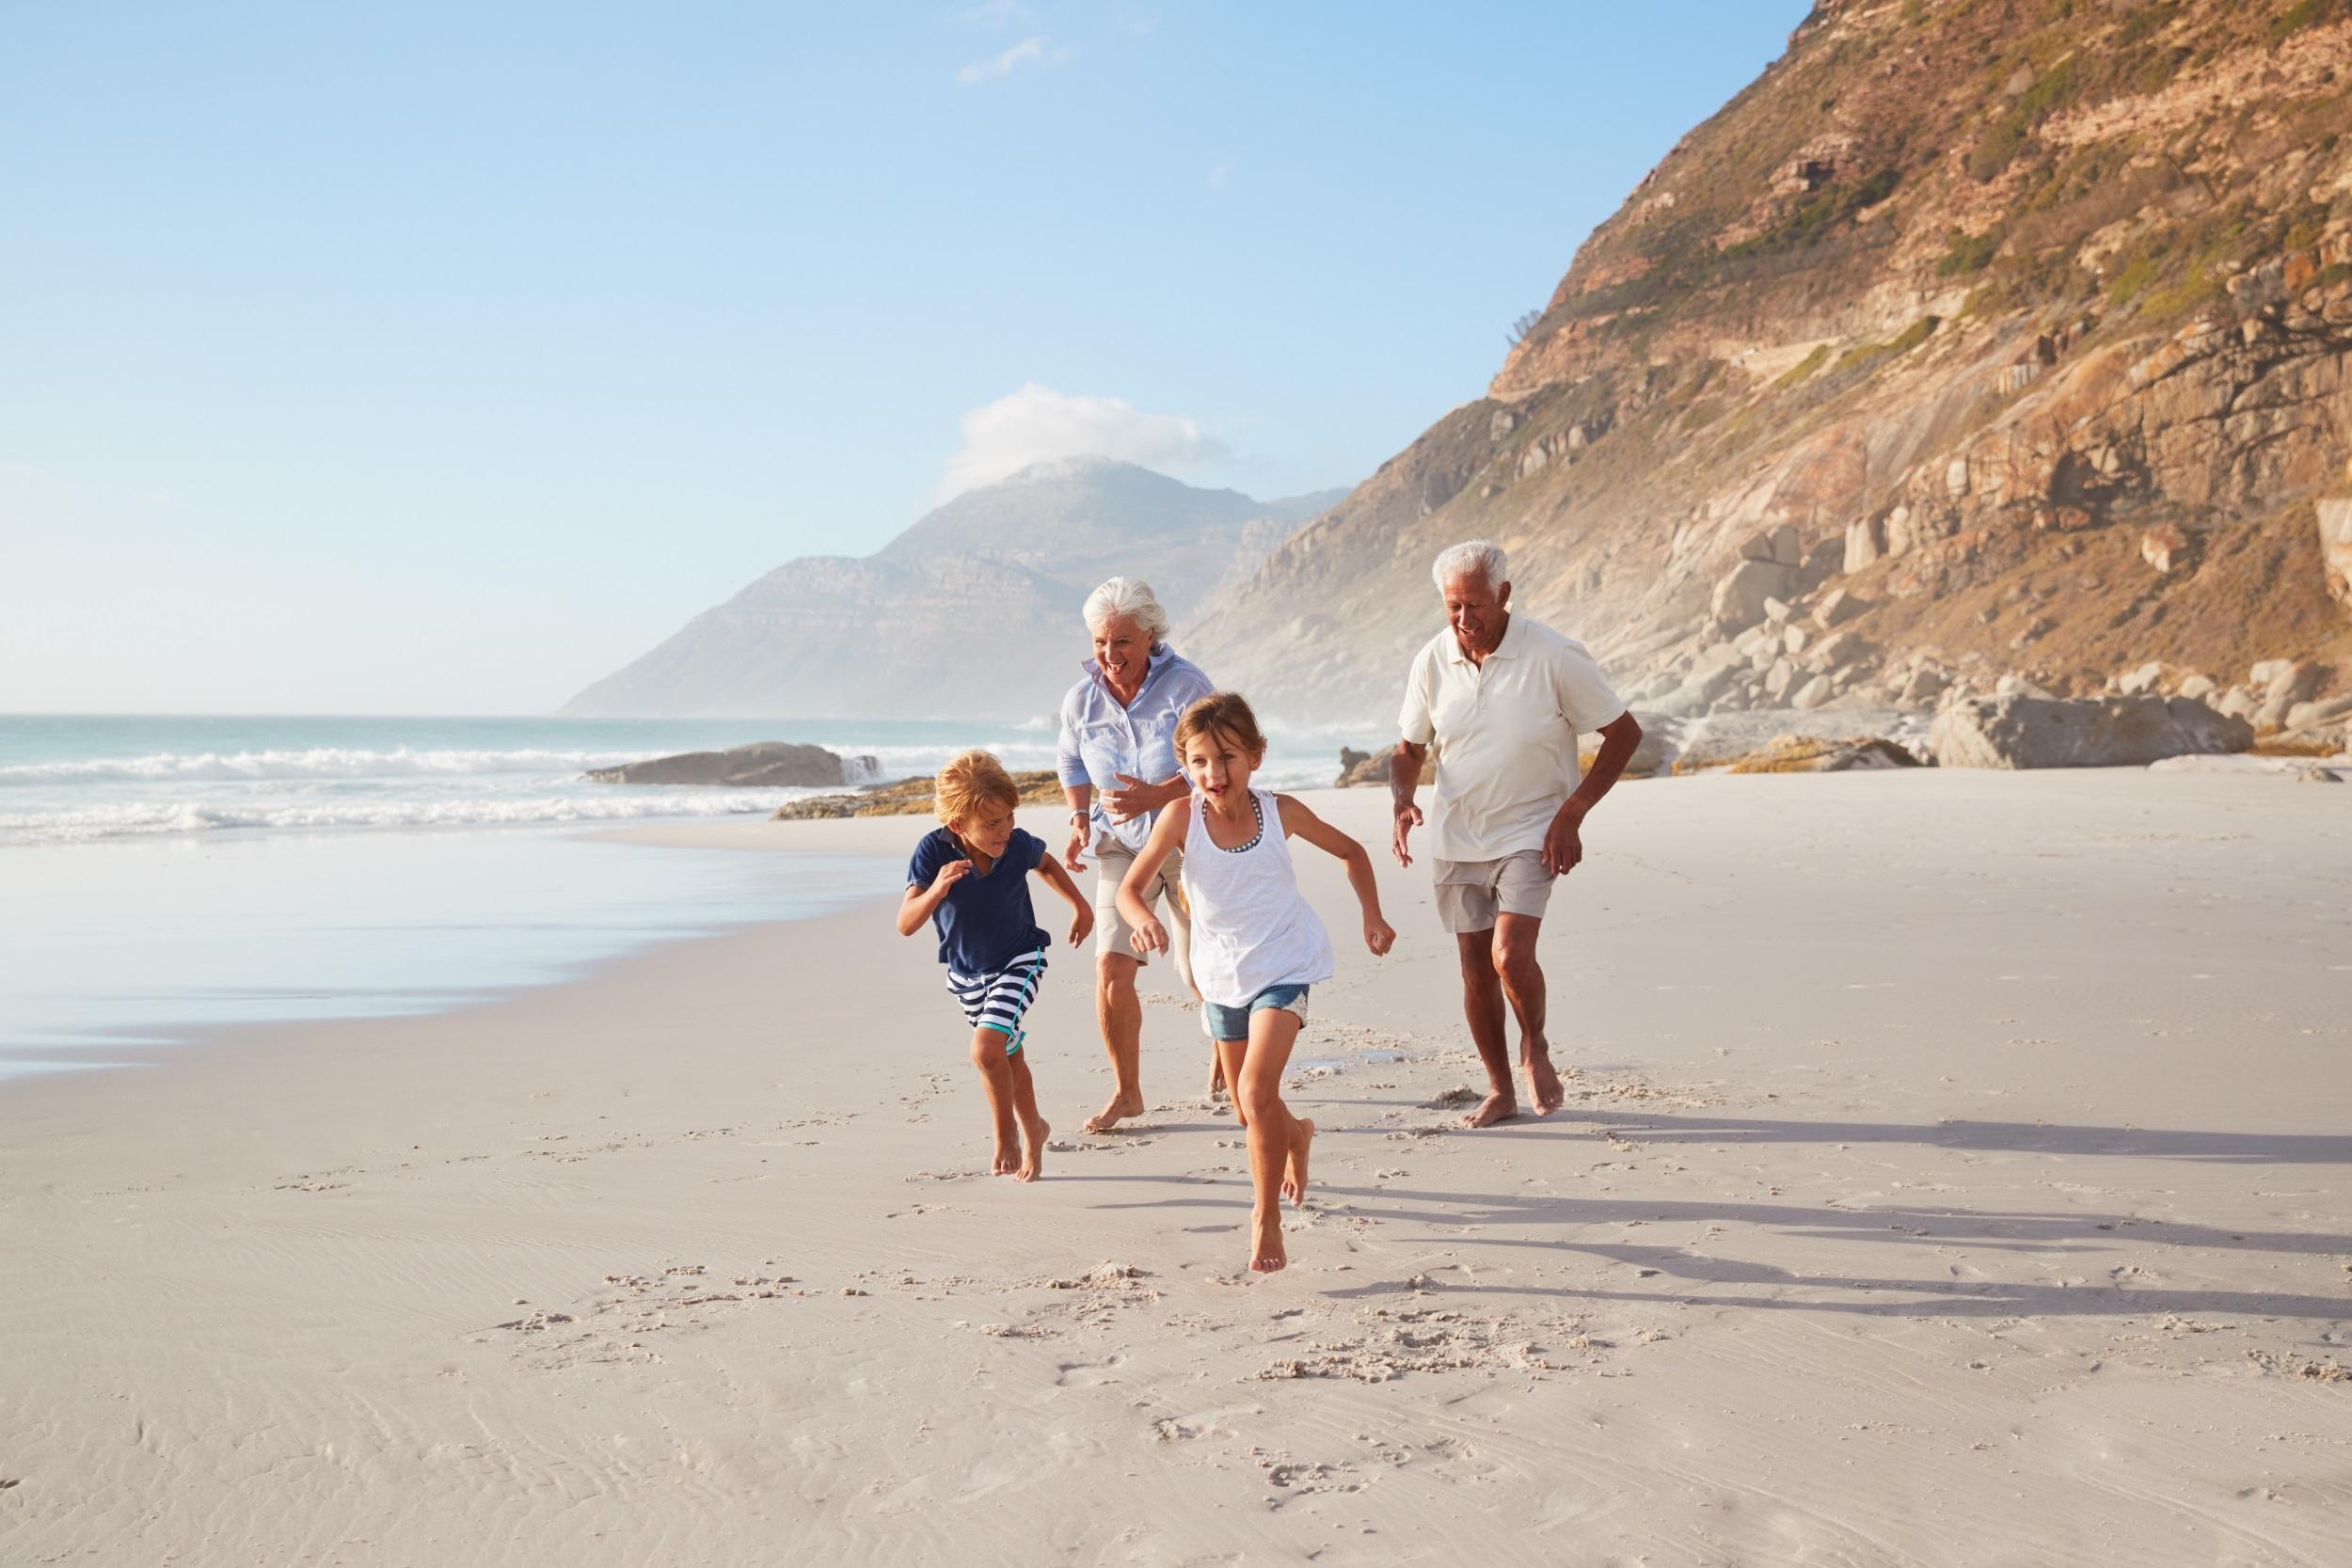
<point x="1926" y="684"/>
<point x="2165" y="546"/>
<point x="911" y="798"/>
<point x="2199" y="687"/>
<point x="1836" y="607"/>
<point x="2134" y="682"/>
<point x="2302" y="716"/>
<point x="1812" y="694"/>
<point x="2237" y="703"/>
<point x="766" y="765"/>
<point x="2112" y="732"/>
<point x="1739" y="595"/>
<point x="1649" y="758"/>
<point x="1805" y="753"/>
<point x="2335" y="546"/>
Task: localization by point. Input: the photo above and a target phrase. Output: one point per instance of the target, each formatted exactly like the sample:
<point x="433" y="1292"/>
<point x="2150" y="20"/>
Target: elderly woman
<point x="1117" y="767"/>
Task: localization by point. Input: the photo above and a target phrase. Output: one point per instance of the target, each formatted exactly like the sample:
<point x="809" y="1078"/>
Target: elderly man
<point x="1118" y="768"/>
<point x="1497" y="700"/>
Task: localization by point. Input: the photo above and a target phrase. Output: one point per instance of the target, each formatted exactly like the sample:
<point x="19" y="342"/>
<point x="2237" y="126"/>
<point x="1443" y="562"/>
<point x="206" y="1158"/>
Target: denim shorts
<point x="1233" y="1024"/>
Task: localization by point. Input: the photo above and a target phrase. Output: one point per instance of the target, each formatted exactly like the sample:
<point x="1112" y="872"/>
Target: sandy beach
<point x="1954" y="1172"/>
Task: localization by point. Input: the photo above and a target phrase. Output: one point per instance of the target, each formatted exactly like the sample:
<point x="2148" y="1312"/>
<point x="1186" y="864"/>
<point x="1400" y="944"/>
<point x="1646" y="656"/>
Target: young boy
<point x="970" y="879"/>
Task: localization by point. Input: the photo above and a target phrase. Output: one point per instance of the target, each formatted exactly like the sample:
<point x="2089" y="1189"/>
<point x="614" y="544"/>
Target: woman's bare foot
<point x="1544" y="1082"/>
<point x="1499" y="1106"/>
<point x="1265" y="1246"/>
<point x="1008" y="1158"/>
<point x="1120" y="1109"/>
<point x="1294" y="1173"/>
<point x="1033" y="1131"/>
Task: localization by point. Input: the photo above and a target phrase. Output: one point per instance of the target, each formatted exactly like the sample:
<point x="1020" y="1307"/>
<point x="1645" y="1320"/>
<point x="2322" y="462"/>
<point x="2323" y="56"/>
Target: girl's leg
<point x="1228" y="1055"/>
<point x="1277" y="1140"/>
<point x="1033" y="1128"/>
<point x="987" y="1054"/>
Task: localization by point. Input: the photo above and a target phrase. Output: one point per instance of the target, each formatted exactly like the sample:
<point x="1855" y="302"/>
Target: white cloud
<point x="996" y="15"/>
<point x="1029" y="51"/>
<point x="1035" y="423"/>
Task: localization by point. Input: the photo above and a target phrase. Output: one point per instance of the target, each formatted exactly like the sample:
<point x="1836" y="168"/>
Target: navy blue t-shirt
<point x="986" y="920"/>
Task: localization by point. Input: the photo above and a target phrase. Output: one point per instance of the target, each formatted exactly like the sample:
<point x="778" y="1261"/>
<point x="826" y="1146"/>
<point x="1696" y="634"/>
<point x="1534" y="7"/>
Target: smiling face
<point x="1123" y="649"/>
<point x="1219" y="766"/>
<point x="988" y="829"/>
<point x="1479" y="611"/>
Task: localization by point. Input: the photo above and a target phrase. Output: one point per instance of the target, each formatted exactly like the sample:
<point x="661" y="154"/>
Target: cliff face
<point x="971" y="612"/>
<point x="1975" y="338"/>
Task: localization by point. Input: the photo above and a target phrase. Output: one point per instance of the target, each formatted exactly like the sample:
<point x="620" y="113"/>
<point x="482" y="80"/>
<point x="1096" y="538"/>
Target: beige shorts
<point x="1111" y="930"/>
<point x="1471" y="894"/>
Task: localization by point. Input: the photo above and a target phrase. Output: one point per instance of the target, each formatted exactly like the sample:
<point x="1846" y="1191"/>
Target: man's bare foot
<point x="1294" y="1173"/>
<point x="1549" y="1096"/>
<point x="1033" y="1131"/>
<point x="1008" y="1158"/>
<point x="1120" y="1109"/>
<point x="1265" y="1246"/>
<point x="1494" y="1108"/>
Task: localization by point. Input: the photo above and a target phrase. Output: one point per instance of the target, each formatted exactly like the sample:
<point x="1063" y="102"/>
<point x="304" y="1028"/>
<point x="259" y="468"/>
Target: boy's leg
<point x="1033" y="1127"/>
<point x="987" y="1054"/>
<point x="1276" y="1139"/>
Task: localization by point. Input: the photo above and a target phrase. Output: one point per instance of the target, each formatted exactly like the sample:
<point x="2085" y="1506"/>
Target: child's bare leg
<point x="1033" y="1127"/>
<point x="1274" y="1134"/>
<point x="987" y="1054"/>
<point x="1228" y="1059"/>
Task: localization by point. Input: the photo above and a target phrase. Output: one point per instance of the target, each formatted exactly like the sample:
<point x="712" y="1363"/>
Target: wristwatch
<point x="1082" y="815"/>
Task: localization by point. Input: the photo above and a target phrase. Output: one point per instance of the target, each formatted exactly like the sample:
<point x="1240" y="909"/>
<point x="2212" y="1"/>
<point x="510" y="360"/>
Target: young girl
<point x="1256" y="945"/>
<point x="970" y="879"/>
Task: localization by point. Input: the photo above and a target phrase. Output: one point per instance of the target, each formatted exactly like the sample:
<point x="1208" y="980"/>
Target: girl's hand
<point x="1379" y="936"/>
<point x="949" y="875"/>
<point x="1150" y="937"/>
<point x="1081" y="927"/>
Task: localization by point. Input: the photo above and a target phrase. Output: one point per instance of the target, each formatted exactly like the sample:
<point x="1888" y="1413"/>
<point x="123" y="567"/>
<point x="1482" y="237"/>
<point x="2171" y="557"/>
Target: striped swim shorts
<point x="996" y="1001"/>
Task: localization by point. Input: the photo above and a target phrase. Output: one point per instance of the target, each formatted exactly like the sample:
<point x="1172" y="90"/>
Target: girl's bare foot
<point x="1008" y="1158"/>
<point x="1033" y="1131"/>
<point x="1265" y="1247"/>
<point x="1294" y="1172"/>
<point x="1110" y="1115"/>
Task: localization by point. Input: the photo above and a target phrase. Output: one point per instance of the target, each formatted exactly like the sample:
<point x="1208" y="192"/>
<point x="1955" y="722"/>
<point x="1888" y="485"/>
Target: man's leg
<point x="1483" y="1007"/>
<point x="1120" y="1015"/>
<point x="1522" y="983"/>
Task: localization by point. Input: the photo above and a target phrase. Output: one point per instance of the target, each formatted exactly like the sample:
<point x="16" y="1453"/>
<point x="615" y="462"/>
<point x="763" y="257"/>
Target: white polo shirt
<point x="1502" y="734"/>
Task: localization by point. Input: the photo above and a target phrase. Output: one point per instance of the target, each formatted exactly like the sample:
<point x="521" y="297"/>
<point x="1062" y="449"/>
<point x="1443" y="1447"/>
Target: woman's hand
<point x="1378" y="935"/>
<point x="1081" y="926"/>
<point x="1150" y="937"/>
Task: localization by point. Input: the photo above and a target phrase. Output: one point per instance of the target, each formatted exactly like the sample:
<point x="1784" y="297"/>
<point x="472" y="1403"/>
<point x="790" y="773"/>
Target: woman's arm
<point x="1082" y="912"/>
<point x="1300" y="822"/>
<point x="1167" y="834"/>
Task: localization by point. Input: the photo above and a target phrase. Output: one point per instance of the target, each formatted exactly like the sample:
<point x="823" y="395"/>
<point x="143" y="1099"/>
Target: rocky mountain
<point x="971" y="612"/>
<point x="1976" y="343"/>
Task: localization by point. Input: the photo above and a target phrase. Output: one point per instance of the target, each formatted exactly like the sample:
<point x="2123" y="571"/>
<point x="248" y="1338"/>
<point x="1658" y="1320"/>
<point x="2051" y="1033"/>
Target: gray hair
<point x="1473" y="558"/>
<point x="1130" y="598"/>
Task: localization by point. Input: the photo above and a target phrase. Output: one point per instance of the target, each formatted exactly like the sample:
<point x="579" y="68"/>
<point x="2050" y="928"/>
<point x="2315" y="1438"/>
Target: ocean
<point x="164" y="876"/>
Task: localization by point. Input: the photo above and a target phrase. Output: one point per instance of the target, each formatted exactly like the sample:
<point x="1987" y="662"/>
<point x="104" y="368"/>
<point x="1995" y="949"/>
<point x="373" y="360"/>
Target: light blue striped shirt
<point x="1102" y="740"/>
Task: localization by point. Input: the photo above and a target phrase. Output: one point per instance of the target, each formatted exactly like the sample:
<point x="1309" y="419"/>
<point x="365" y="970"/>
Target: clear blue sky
<point x="419" y="357"/>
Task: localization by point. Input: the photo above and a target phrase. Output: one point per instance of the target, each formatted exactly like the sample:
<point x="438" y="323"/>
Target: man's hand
<point x="1563" y="845"/>
<point x="1150" y="937"/>
<point x="1407" y="818"/>
<point x="1136" y="798"/>
<point x="1081" y="927"/>
<point x="1070" y="857"/>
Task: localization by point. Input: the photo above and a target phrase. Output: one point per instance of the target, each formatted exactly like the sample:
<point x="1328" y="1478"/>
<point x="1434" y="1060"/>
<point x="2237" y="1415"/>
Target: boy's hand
<point x="1150" y="937"/>
<point x="1081" y="927"/>
<point x="949" y="875"/>
<point x="1379" y="936"/>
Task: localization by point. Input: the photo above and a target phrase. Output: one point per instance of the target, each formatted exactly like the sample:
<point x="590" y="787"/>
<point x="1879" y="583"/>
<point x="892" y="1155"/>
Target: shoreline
<point x="1988" y="1177"/>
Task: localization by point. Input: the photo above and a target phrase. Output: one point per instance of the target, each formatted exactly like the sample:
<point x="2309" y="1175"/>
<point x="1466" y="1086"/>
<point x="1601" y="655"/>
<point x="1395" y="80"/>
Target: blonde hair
<point x="1225" y="713"/>
<point x="969" y="783"/>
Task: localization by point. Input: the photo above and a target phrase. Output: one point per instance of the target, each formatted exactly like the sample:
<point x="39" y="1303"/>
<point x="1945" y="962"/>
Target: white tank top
<point x="1251" y="928"/>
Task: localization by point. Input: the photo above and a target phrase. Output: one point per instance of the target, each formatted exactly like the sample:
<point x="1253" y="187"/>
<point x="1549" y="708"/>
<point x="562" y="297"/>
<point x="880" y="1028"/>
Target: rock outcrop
<point x="1805" y="753"/>
<point x="766" y="765"/>
<point x="1998" y="339"/>
<point x="910" y="797"/>
<point x="2113" y="732"/>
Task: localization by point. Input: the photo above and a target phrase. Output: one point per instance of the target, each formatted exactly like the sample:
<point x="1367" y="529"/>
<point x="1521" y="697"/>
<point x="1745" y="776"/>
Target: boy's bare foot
<point x="1119" y="1110"/>
<point x="1549" y="1096"/>
<point x="1033" y="1131"/>
<point x="1265" y="1244"/>
<point x="1496" y="1107"/>
<point x="1008" y="1159"/>
<point x="1294" y="1173"/>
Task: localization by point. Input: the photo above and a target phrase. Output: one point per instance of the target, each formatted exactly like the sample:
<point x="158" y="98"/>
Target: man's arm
<point x="1403" y="778"/>
<point x="1563" y="845"/>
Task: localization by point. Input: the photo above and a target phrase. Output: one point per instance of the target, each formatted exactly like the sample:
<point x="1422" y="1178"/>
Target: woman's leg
<point x="1277" y="1140"/>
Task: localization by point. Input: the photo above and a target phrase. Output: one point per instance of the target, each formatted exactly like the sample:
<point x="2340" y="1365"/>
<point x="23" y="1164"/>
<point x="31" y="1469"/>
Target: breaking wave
<point x="144" y="818"/>
<point x="320" y="762"/>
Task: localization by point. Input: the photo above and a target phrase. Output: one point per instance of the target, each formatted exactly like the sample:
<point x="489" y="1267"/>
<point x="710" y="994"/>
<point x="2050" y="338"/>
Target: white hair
<point x="1473" y="558"/>
<point x="1128" y="598"/>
